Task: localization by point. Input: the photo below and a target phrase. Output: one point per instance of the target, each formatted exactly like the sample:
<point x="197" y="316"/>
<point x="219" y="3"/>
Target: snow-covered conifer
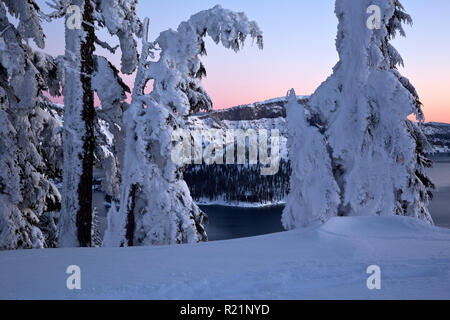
<point x="377" y="154"/>
<point x="155" y="201"/>
<point x="111" y="91"/>
<point x="115" y="229"/>
<point x="314" y="194"/>
<point x="119" y="17"/>
<point x="27" y="12"/>
<point x="28" y="198"/>
<point x="78" y="134"/>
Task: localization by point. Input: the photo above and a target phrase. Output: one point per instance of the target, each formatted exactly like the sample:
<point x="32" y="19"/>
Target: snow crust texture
<point x="325" y="262"/>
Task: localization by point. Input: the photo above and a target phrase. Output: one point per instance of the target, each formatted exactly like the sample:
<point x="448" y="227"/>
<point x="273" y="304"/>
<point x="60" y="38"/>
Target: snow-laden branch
<point x="59" y="7"/>
<point x="178" y="72"/>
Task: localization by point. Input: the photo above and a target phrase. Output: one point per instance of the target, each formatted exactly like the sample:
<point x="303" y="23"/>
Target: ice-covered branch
<point x="106" y="45"/>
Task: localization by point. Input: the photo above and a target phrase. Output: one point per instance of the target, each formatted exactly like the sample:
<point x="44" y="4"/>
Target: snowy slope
<point x="439" y="136"/>
<point x="321" y="262"/>
<point x="269" y="115"/>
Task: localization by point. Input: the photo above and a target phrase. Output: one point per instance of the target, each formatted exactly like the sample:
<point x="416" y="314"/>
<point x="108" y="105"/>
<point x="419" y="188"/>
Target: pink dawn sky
<point x="299" y="51"/>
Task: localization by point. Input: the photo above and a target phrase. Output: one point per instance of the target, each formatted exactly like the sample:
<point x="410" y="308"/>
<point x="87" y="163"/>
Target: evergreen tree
<point x="27" y="196"/>
<point x="109" y="126"/>
<point x="314" y="194"/>
<point x="155" y="201"/>
<point x="82" y="16"/>
<point x="115" y="229"/>
<point x="237" y="183"/>
<point x="377" y="154"/>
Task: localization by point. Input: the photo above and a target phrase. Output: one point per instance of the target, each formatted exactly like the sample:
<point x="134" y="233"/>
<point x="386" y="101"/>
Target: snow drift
<point x="326" y="262"/>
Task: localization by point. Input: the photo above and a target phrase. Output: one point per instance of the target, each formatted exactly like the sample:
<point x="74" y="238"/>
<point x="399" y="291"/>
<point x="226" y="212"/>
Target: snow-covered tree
<point x="115" y="230"/>
<point x="27" y="196"/>
<point x="377" y="154"/>
<point x="314" y="194"/>
<point x="79" y="139"/>
<point x="96" y="236"/>
<point x="50" y="138"/>
<point x="156" y="205"/>
<point x="109" y="126"/>
<point x="82" y="17"/>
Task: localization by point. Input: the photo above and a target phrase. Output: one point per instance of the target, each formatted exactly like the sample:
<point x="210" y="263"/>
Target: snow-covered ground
<point x="326" y="262"/>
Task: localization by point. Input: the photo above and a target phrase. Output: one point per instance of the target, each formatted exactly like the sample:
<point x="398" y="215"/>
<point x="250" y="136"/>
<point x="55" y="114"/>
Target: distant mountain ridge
<point x="268" y="109"/>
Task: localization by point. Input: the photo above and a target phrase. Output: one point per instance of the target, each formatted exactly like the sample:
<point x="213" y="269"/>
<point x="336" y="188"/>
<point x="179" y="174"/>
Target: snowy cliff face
<point x="225" y="180"/>
<point x="237" y="184"/>
<point x="269" y="115"/>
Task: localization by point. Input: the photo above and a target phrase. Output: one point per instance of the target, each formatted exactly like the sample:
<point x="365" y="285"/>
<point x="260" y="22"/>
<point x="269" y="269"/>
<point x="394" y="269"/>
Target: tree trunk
<point x="131" y="224"/>
<point x="84" y="214"/>
<point x="79" y="139"/>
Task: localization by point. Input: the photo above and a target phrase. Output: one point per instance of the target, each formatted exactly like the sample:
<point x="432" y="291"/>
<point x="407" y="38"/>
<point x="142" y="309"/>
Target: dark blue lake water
<point x="235" y="222"/>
